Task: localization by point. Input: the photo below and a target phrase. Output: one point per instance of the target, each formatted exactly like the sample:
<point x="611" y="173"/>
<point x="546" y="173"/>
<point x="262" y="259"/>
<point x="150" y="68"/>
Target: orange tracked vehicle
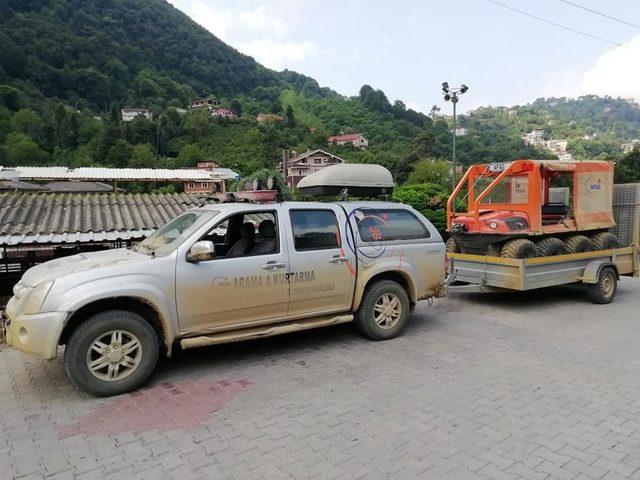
<point x="510" y="212"/>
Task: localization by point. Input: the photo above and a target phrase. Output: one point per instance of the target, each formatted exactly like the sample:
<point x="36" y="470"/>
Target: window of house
<point x="318" y="160"/>
<point x="204" y="185"/>
<point x="314" y="229"/>
<point x="191" y="185"/>
<point x="379" y="225"/>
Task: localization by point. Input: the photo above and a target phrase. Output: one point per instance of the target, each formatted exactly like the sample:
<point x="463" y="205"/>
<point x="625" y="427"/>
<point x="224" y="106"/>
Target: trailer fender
<point x="593" y="269"/>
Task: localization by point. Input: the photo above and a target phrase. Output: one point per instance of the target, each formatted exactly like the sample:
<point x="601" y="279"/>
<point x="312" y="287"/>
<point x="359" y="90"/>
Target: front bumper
<point x="35" y="334"/>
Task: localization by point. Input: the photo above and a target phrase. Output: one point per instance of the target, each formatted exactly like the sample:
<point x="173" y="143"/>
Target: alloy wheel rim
<point x="114" y="355"/>
<point x="387" y="311"/>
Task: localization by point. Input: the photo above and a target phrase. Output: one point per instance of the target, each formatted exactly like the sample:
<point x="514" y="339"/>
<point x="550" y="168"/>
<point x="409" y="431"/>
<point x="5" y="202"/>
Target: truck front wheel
<point x="384" y="310"/>
<point x="111" y="352"/>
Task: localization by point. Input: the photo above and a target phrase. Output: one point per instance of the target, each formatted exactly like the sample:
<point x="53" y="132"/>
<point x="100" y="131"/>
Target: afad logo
<point x="594" y="185"/>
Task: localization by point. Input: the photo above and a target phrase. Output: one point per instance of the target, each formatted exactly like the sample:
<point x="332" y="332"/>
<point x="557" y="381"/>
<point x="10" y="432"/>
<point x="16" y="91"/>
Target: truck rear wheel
<point x="519" y="248"/>
<point x="578" y="244"/>
<point x="111" y="352"/>
<point x="604" y="241"/>
<point x="549" y="247"/>
<point x="384" y="310"/>
<point x="605" y="288"/>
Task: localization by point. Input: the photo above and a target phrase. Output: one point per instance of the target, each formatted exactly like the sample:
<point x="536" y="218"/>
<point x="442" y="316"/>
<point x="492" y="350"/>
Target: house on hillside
<point x="263" y="118"/>
<point x="299" y="166"/>
<point x="209" y="103"/>
<point x="627" y="147"/>
<point x="358" y="140"/>
<point x="128" y="114"/>
<point x="224" y="113"/>
<point x="205" y="187"/>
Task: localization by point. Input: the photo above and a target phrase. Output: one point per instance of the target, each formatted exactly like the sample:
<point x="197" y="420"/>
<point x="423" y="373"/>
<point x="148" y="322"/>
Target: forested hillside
<point x="67" y="67"/>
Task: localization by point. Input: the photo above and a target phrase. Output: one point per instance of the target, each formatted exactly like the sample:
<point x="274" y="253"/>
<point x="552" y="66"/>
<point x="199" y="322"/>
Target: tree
<point x="291" y="121"/>
<point x="114" y="113"/>
<point x="142" y="156"/>
<point x="431" y="171"/>
<point x="28" y="122"/>
<point x="276" y="107"/>
<point x="628" y="170"/>
<point x="119" y="154"/>
<point x="10" y="97"/>
<point x="20" y="150"/>
<point x="189" y="156"/>
<point x="236" y="107"/>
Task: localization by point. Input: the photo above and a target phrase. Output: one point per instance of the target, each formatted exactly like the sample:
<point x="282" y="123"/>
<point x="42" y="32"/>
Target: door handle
<point x="273" y="265"/>
<point x="338" y="259"/>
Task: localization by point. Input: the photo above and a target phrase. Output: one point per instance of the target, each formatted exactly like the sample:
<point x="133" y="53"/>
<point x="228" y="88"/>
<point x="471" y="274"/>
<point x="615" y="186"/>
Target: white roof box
<point x="357" y="179"/>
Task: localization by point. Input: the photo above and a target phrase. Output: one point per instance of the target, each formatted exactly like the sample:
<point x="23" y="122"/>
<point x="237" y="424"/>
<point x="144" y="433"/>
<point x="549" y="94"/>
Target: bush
<point x="428" y="198"/>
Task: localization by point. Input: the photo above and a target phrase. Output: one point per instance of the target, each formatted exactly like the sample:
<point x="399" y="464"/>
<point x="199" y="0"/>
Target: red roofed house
<point x="196" y="187"/>
<point x="356" y="139"/>
<point x="225" y="113"/>
<point x="299" y="166"/>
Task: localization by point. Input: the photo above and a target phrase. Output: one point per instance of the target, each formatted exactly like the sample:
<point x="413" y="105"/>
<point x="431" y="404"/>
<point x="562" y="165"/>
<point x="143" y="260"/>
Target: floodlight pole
<point x="451" y="95"/>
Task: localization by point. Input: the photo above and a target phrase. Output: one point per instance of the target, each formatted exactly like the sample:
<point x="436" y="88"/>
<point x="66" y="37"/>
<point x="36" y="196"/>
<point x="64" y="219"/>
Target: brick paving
<point x="533" y="386"/>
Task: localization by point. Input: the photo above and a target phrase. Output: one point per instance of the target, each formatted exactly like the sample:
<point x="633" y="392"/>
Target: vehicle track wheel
<point x="604" y="241"/>
<point x="384" y="310"/>
<point x="452" y="246"/>
<point x="549" y="247"/>
<point x="604" y="290"/>
<point x="519" y="248"/>
<point x="578" y="244"/>
<point x="111" y="352"/>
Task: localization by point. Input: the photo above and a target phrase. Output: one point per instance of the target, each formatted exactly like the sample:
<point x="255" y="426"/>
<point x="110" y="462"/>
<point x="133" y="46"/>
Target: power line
<point x="600" y="13"/>
<point x="522" y="12"/>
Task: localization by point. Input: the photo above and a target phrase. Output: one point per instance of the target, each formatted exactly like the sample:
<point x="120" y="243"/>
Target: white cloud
<point x="616" y="72"/>
<point x="259" y="20"/>
<point x="275" y="54"/>
<point x="217" y="21"/>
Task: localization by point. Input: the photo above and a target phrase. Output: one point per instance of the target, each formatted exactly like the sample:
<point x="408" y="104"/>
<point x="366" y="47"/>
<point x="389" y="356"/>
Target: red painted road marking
<point x="168" y="406"/>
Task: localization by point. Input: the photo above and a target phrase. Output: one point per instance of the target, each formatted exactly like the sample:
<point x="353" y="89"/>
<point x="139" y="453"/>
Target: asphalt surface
<point x="541" y="385"/>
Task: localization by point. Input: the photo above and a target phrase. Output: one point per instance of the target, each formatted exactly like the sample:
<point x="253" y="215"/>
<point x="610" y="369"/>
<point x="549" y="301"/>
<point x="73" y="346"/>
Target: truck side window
<point x="314" y="229"/>
<point x="379" y="225"/>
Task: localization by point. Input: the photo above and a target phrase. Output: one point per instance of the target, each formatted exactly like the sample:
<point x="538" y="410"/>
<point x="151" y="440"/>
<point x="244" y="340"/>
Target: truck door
<point x="245" y="283"/>
<point x="322" y="275"/>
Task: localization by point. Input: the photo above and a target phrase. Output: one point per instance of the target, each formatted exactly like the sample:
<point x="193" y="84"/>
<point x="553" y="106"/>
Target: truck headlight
<point x="36" y="297"/>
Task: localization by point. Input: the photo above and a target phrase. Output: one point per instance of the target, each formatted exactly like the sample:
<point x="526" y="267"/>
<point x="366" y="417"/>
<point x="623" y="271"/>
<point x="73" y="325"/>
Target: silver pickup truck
<point x="223" y="273"/>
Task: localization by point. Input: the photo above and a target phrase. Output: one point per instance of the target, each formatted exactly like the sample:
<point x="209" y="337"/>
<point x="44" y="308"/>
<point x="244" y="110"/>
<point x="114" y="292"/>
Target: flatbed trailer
<point x="600" y="270"/>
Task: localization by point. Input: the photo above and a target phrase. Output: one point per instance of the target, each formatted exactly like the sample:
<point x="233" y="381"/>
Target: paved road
<point x="537" y="386"/>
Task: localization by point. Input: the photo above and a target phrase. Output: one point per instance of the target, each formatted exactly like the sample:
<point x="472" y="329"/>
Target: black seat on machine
<point x="555" y="209"/>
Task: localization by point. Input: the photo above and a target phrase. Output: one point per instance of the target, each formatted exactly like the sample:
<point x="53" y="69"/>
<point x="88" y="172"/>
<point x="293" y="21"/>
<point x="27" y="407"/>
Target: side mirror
<point x="201" y="252"/>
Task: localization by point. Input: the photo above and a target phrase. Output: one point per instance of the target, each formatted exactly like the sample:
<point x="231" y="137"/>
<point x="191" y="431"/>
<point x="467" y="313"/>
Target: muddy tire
<point x="550" y="247"/>
<point x="604" y="241"/>
<point x="384" y="310"/>
<point x="112" y="352"/>
<point x="604" y="290"/>
<point x="452" y="246"/>
<point x="519" y="248"/>
<point x="578" y="244"/>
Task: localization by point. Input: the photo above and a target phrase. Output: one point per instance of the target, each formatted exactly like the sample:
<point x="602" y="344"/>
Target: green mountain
<point x="68" y="66"/>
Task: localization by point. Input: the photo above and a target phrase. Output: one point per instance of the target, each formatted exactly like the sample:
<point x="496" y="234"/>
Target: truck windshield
<point x="167" y="238"/>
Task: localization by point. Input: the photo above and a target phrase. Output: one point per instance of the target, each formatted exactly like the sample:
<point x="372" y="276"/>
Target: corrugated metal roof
<point x="70" y="217"/>
<point x="122" y="174"/>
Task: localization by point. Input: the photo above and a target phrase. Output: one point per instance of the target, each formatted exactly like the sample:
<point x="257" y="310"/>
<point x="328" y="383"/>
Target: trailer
<point x="599" y="270"/>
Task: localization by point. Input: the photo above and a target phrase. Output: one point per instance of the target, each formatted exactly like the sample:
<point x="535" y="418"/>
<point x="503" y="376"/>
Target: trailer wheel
<point x="384" y="310"/>
<point x="452" y="246"/>
<point x="604" y="241"/>
<point x="112" y="352"/>
<point x="604" y="290"/>
<point x="578" y="244"/>
<point x="550" y="247"/>
<point x="519" y="248"/>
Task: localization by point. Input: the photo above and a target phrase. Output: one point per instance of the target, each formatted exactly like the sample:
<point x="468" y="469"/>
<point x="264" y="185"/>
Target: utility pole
<point x="451" y="95"/>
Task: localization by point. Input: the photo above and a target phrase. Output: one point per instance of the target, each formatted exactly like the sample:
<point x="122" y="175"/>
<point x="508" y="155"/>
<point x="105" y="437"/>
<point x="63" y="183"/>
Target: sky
<point x="408" y="48"/>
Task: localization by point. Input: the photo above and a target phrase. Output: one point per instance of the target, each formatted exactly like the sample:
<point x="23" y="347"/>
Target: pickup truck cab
<point x="222" y="273"/>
